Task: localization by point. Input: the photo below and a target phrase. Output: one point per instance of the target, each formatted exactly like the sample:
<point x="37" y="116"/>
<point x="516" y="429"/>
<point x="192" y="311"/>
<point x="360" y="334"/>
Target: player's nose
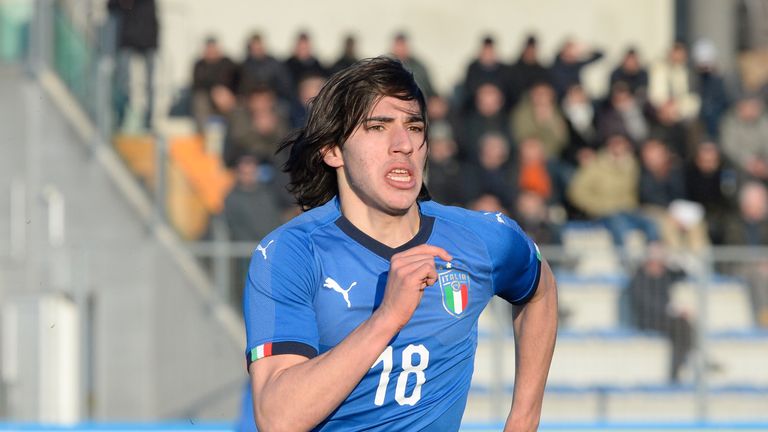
<point x="402" y="140"/>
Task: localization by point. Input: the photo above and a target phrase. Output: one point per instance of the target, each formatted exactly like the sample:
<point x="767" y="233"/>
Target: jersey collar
<point x="425" y="230"/>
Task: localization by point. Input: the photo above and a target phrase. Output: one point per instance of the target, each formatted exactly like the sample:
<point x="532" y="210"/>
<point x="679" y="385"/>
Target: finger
<point x="409" y="259"/>
<point x="424" y="273"/>
<point x="427" y="249"/>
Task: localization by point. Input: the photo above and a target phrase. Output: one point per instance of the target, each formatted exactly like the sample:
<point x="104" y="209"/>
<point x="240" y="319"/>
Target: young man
<point x="362" y="312"/>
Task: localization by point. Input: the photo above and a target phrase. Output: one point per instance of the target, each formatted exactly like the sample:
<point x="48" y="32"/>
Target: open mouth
<point x="399" y="175"/>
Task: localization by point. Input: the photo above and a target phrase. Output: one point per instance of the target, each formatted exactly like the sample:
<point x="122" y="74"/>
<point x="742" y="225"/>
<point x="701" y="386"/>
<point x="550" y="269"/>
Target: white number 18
<point x="402" y="379"/>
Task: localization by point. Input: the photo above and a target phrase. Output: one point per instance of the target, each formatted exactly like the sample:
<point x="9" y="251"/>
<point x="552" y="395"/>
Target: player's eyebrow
<point x="383" y="119"/>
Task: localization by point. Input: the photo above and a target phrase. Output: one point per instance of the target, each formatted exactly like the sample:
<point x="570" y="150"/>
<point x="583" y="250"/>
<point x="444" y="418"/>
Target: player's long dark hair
<point x="342" y="104"/>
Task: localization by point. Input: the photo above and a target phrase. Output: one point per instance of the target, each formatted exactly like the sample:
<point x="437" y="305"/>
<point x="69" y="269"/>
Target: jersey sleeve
<point x="278" y="299"/>
<point x="516" y="263"/>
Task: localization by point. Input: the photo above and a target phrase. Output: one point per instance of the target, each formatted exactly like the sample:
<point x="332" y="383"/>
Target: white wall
<point x="444" y="34"/>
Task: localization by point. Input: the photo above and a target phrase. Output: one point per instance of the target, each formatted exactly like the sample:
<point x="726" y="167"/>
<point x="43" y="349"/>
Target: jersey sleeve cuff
<point x="532" y="291"/>
<point x="276" y="348"/>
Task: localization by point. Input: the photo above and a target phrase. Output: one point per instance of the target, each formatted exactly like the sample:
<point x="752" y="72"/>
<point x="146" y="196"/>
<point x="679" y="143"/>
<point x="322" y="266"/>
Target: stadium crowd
<point x="670" y="151"/>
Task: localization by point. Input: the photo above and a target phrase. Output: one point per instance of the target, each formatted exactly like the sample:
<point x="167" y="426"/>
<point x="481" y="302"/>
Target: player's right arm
<point x="294" y="392"/>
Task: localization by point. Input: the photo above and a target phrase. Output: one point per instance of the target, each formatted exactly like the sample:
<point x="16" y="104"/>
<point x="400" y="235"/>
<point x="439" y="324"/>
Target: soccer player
<point x="361" y="313"/>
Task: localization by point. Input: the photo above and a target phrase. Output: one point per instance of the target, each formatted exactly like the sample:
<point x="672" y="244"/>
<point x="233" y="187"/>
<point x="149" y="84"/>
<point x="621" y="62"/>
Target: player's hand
<point x="410" y="272"/>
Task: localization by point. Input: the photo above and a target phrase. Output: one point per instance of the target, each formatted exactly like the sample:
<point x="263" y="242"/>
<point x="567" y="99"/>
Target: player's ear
<point x="332" y="156"/>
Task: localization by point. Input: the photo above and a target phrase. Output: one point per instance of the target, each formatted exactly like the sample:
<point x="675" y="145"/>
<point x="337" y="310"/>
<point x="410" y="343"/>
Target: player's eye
<point x="416" y="128"/>
<point x="376" y="127"/>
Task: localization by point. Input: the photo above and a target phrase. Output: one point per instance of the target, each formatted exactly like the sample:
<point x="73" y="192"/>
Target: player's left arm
<point x="535" y="325"/>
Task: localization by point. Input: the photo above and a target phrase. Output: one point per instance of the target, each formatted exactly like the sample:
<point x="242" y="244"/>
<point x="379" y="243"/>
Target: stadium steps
<point x="635" y="404"/>
<point x="594" y="302"/>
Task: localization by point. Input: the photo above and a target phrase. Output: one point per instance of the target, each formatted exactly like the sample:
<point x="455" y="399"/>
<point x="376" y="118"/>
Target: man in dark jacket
<point x="137" y="35"/>
<point x="649" y="295"/>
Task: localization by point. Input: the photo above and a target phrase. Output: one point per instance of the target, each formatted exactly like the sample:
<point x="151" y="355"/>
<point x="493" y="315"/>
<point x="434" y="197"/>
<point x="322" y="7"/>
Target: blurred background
<point x="138" y="172"/>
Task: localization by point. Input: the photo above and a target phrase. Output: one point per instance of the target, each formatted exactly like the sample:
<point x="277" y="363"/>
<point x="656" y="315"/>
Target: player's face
<point x="383" y="160"/>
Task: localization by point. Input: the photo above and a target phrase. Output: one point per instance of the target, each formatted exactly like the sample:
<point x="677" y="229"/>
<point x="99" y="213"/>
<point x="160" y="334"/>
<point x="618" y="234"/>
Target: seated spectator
<point x="444" y="170"/>
<point x="255" y="128"/>
<point x="606" y="189"/>
<point x="213" y="80"/>
<point x="709" y="182"/>
<point x="487" y="203"/>
<point x="710" y="86"/>
<point x="668" y="127"/>
<point x="250" y="208"/>
<point x="486" y="68"/>
<point x="745" y="137"/>
<point x="622" y="114"/>
<point x="308" y="88"/>
<point x="525" y="72"/>
<point x="566" y="70"/>
<point x="260" y="69"/>
<point x="348" y="55"/>
<point x="579" y="113"/>
<point x="493" y="174"/>
<point x="631" y="72"/>
<point x="534" y="175"/>
<point x="488" y="117"/>
<point x="669" y="80"/>
<point x="401" y="50"/>
<point x="750" y="228"/>
<point x="303" y="61"/>
<point x="651" y="307"/>
<point x="662" y="194"/>
<point x="537" y="115"/>
<point x="533" y="216"/>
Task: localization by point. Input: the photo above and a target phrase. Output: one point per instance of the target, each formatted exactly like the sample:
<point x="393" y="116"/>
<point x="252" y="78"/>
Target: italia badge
<point x="454" y="285"/>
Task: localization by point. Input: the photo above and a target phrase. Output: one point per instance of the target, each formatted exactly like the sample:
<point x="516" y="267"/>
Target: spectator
<point x="745" y="137"/>
<point x="308" y="88"/>
<point x="670" y="80"/>
<point x="213" y="80"/>
<point x="750" y="228"/>
<point x="493" y="174"/>
<point x="256" y="128"/>
<point x="487" y="117"/>
<point x="649" y="294"/>
<point x="524" y="73"/>
<point x="709" y="182"/>
<point x="138" y="29"/>
<point x="532" y="214"/>
<point x="303" y="62"/>
<point x="622" y="114"/>
<point x="631" y="72"/>
<point x="606" y="189"/>
<point x="260" y="69"/>
<point x="446" y="173"/>
<point x="668" y="127"/>
<point x="402" y="51"/>
<point x="710" y="86"/>
<point x="538" y="116"/>
<point x="566" y="70"/>
<point x="348" y="55"/>
<point x="662" y="194"/>
<point x="486" y="68"/>
<point x="534" y="175"/>
<point x="250" y="210"/>
<point x="579" y="113"/>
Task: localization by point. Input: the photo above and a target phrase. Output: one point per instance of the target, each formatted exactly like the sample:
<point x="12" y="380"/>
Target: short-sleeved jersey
<point x="312" y="281"/>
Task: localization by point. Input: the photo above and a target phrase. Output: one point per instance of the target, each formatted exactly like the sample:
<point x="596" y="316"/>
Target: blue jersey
<point x="314" y="280"/>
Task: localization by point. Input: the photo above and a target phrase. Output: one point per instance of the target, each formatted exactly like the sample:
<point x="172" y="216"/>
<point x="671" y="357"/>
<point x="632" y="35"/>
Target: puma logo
<point x="332" y="284"/>
<point x="498" y="217"/>
<point x="263" y="250"/>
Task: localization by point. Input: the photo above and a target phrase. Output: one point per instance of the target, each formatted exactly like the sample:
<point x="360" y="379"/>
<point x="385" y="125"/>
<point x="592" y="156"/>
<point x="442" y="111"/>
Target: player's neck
<point x="391" y="230"/>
